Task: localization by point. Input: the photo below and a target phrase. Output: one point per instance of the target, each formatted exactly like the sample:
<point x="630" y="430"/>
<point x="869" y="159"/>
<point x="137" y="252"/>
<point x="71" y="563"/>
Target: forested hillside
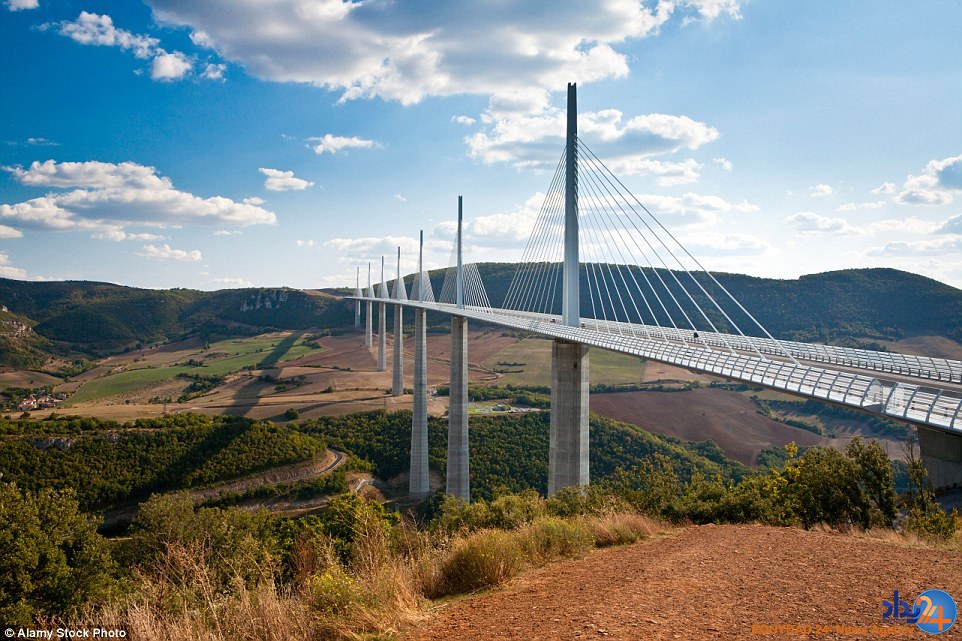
<point x="90" y="319"/>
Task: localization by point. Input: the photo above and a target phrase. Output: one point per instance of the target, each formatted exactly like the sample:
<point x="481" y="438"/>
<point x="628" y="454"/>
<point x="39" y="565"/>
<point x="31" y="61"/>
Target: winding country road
<point x="304" y="471"/>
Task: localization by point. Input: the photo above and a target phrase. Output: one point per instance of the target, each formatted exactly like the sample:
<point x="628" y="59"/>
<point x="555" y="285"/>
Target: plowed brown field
<point x="710" y="582"/>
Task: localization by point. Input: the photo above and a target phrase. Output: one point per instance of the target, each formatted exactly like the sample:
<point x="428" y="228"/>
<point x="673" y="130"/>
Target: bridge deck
<point x="938" y="406"/>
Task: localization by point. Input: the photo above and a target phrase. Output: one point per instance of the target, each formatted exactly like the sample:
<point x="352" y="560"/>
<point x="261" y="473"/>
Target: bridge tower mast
<point x="568" y="444"/>
<point x="357" y="294"/>
<point x="397" y="376"/>
<point x="382" y="322"/>
<point x="418" y="483"/>
<point x="458" y="480"/>
<point x="369" y="294"/>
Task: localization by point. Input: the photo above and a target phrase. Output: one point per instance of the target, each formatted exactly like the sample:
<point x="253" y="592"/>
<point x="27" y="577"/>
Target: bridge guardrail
<point x="914" y="403"/>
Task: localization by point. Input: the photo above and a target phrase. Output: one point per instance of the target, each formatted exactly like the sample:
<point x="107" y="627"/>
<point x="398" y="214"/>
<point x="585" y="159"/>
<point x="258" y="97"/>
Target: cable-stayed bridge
<point x="600" y="270"/>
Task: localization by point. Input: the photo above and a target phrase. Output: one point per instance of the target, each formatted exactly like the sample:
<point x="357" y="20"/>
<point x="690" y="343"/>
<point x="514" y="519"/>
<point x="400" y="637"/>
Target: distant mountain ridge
<point x="98" y="318"/>
<point x="90" y="318"/>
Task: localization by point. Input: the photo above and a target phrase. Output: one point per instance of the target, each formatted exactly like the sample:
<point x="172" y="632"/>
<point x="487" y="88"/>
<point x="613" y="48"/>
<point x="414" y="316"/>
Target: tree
<point x="52" y="561"/>
<point x="877" y="479"/>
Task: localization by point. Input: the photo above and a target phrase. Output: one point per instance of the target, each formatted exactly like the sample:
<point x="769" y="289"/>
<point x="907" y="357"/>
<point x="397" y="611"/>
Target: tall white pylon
<point x="368" y="294"/>
<point x="357" y="295"/>
<point x="568" y="435"/>
<point x="418" y="482"/>
<point x="397" y="378"/>
<point x="382" y="323"/>
<point x="458" y="474"/>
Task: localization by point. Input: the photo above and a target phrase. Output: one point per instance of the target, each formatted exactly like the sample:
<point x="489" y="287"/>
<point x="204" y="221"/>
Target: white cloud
<point x="724" y="163"/>
<point x="878" y="204"/>
<point x="20" y="5"/>
<point x="9" y="271"/>
<point x="253" y="200"/>
<point x="214" y="71"/>
<point x="334" y="144"/>
<point x="713" y="244"/>
<point x="278" y="180"/>
<point x="227" y="232"/>
<point x="505" y="228"/>
<point x="9" y="232"/>
<point x="233" y="282"/>
<point x="708" y="10"/>
<point x="99" y="30"/>
<point x="693" y="208"/>
<point x="537" y="141"/>
<point x="92" y="174"/>
<point x="910" y="225"/>
<point x="820" y="190"/>
<point x="165" y="252"/>
<point x="109" y="196"/>
<point x="810" y="223"/>
<point x="951" y="226"/>
<point x="667" y="173"/>
<point x="950" y="245"/>
<point x="40" y="141"/>
<point x="170" y="66"/>
<point x="304" y="243"/>
<point x="463" y="120"/>
<point x="118" y="235"/>
<point x="399" y="51"/>
<point x="934" y="186"/>
<point x="400" y="198"/>
<point x="885" y="188"/>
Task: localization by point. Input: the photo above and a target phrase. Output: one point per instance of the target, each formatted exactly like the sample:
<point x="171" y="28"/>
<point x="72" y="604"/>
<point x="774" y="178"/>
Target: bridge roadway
<point x="935" y="404"/>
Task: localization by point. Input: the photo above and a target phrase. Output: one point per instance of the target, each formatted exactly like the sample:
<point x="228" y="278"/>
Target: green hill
<point x="74" y="318"/>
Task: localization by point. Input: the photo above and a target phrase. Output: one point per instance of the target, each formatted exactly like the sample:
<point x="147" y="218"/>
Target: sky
<point x="234" y="143"/>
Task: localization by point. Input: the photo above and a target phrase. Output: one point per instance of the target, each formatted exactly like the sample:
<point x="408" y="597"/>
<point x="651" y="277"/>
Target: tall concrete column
<point x="942" y="456"/>
<point x="568" y="448"/>
<point x="357" y="315"/>
<point x="458" y="478"/>
<point x="368" y="339"/>
<point x="381" y="337"/>
<point x="397" y="380"/>
<point x="418" y="486"/>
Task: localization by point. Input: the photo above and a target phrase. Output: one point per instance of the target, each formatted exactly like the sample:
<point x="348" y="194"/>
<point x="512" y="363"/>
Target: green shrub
<point x="550" y="538"/>
<point x="333" y="591"/>
<point x="484" y="559"/>
<point x="511" y="511"/>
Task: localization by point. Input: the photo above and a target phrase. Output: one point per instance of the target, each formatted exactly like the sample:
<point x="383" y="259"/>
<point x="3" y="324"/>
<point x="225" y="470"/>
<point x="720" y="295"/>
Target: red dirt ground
<point x="725" y="417"/>
<point x="708" y="582"/>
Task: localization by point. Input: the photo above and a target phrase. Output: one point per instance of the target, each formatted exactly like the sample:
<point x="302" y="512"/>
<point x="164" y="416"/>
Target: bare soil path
<point x="709" y="582"/>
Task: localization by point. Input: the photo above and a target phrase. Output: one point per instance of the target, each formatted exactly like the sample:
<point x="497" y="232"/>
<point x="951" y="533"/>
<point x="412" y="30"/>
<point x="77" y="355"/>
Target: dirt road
<point x="710" y="582"/>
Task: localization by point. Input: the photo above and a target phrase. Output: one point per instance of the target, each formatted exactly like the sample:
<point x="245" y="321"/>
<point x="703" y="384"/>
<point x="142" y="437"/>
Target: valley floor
<point x="710" y="582"/>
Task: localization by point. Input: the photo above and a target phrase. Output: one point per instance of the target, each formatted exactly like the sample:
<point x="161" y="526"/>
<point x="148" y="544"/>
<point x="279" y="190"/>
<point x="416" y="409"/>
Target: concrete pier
<point x="568" y="449"/>
<point x="942" y="457"/>
<point x="368" y="339"/>
<point x="458" y="481"/>
<point x="381" y="337"/>
<point x="418" y="486"/>
<point x="397" y="379"/>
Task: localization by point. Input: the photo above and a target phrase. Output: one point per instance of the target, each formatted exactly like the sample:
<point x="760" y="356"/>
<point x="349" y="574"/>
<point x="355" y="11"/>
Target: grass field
<point x="535" y="354"/>
<point x="222" y="357"/>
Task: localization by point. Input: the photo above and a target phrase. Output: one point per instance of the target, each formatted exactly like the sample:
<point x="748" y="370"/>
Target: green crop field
<point x="535" y="354"/>
<point x="223" y="357"/>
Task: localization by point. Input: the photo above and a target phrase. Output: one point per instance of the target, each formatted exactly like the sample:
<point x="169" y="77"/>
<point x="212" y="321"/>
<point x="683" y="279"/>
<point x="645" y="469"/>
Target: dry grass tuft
<point x="619" y="528"/>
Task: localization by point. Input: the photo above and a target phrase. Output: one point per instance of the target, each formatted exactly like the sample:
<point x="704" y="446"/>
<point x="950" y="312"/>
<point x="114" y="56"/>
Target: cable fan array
<point x="636" y="278"/>
<point x="474" y="292"/>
